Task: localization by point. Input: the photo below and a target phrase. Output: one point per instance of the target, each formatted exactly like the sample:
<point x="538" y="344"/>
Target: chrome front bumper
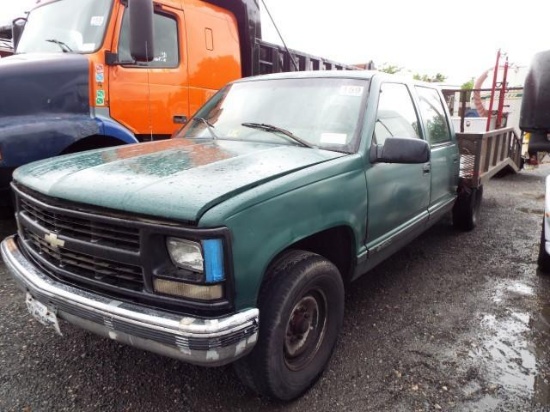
<point x="201" y="341"/>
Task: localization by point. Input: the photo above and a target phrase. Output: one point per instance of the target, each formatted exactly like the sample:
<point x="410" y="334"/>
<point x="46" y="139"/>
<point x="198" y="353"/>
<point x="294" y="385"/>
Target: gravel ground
<point x="454" y="322"/>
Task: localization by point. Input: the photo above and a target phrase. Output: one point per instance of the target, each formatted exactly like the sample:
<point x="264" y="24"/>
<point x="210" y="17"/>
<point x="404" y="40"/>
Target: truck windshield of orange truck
<point x="66" y="26"/>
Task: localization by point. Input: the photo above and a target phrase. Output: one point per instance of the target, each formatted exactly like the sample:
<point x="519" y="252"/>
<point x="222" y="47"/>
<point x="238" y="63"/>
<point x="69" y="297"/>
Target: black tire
<point x="544" y="259"/>
<point x="7" y="210"/>
<point x="466" y="208"/>
<point x="301" y="313"/>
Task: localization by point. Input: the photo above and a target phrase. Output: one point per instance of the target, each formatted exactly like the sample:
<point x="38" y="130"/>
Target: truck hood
<point x="175" y="179"/>
<point x="44" y="83"/>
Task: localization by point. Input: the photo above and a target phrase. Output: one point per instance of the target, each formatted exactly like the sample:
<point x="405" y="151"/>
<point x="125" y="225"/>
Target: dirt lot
<point x="454" y="322"/>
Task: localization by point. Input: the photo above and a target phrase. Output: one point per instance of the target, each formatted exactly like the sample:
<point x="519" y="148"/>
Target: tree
<point x="390" y="68"/>
<point x="469" y="85"/>
<point x="437" y="78"/>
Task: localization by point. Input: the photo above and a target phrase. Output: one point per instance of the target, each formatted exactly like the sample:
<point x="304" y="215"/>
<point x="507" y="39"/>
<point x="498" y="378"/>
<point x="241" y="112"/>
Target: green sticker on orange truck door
<point x="100" y="98"/>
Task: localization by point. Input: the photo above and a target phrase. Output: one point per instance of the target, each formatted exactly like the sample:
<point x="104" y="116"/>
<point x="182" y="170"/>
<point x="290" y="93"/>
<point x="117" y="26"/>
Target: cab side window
<point x="433" y="113"/>
<point x="165" y="41"/>
<point x="396" y="115"/>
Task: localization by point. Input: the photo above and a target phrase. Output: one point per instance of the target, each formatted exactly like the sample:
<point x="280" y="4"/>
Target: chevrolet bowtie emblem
<point x="53" y="241"/>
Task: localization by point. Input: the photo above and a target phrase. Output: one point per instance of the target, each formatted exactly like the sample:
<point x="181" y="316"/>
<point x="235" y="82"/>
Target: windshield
<point x="66" y="26"/>
<point x="320" y="112"/>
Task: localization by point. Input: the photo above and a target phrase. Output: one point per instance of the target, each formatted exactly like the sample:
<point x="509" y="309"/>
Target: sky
<point x="457" y="39"/>
<point x="9" y="9"/>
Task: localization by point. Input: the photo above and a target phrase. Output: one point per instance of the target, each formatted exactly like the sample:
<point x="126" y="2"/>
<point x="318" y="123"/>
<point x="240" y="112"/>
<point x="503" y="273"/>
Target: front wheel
<point x="301" y="314"/>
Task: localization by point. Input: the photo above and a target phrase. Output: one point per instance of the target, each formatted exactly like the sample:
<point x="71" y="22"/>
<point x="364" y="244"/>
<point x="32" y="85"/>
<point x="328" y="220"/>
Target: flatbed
<point x="483" y="155"/>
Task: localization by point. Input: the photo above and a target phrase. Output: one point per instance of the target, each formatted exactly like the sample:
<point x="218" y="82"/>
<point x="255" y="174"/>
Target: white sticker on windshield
<point x="355" y="91"/>
<point x="97" y="21"/>
<point x="333" y="138"/>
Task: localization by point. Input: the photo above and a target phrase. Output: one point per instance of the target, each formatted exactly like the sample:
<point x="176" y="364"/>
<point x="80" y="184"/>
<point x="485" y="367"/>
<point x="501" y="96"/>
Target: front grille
<point x="82" y="248"/>
<point x="102" y="250"/>
<point x="89" y="267"/>
<point x="87" y="230"/>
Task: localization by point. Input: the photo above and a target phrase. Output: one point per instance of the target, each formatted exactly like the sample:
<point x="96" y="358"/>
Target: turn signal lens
<point x="187" y="290"/>
<point x="213" y="260"/>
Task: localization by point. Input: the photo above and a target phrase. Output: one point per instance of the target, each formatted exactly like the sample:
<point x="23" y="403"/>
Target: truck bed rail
<point x="482" y="155"/>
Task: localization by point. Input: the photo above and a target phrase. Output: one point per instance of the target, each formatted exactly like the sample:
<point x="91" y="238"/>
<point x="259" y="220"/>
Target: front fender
<point x="24" y="139"/>
<point x="286" y="210"/>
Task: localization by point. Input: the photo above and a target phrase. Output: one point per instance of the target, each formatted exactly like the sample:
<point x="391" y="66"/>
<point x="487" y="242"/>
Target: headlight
<point x="197" y="262"/>
<point x="198" y="270"/>
<point x="186" y="254"/>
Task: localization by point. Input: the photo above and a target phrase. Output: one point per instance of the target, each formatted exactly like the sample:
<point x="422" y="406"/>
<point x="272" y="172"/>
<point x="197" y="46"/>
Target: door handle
<point x="426" y="169"/>
<point x="180" y="119"/>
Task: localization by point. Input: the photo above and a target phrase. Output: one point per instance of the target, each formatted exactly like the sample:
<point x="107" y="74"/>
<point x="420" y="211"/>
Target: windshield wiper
<point x="275" y="129"/>
<point x="62" y="45"/>
<point x="209" y="125"/>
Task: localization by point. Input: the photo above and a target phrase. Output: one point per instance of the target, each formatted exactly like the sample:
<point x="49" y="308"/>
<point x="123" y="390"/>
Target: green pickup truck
<point x="234" y="240"/>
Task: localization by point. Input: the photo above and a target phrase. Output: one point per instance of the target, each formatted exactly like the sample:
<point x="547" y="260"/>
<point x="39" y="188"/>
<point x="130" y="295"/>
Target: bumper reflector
<point x="187" y="290"/>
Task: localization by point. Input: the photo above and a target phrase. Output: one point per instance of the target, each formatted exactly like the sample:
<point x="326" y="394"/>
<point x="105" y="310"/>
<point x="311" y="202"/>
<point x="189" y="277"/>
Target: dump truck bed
<point x="275" y="59"/>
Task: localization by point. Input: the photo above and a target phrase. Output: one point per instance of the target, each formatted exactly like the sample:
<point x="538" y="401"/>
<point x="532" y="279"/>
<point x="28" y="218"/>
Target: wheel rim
<point x="305" y="329"/>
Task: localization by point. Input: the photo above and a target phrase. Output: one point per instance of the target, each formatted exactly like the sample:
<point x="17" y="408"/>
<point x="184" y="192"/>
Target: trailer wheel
<point x="466" y="208"/>
<point x="301" y="313"/>
<point x="544" y="258"/>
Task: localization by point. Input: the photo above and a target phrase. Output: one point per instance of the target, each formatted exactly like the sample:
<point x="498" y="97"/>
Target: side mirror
<point x="401" y="150"/>
<point x="141" y="30"/>
<point x="17" y="27"/>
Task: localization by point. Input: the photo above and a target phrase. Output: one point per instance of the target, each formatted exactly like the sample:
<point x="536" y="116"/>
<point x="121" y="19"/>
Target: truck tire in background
<point x="544" y="259"/>
<point x="7" y="202"/>
<point x="301" y="313"/>
<point x="466" y="208"/>
<point x="6" y="210"/>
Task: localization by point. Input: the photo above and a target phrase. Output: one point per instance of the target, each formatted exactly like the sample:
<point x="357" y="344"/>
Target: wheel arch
<point x="335" y="244"/>
<point x="110" y="133"/>
<point x="92" y="142"/>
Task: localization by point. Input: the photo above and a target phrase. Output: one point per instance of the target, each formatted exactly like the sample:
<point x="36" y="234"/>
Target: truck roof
<point x="351" y="74"/>
<point x="348" y="74"/>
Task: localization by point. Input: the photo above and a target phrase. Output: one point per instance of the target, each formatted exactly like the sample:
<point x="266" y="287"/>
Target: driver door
<point x="398" y="194"/>
<point x="151" y="99"/>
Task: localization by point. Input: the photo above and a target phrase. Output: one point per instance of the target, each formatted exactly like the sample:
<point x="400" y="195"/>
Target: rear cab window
<point x="433" y="113"/>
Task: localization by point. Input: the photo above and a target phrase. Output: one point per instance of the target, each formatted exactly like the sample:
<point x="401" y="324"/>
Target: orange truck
<point x="97" y="73"/>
